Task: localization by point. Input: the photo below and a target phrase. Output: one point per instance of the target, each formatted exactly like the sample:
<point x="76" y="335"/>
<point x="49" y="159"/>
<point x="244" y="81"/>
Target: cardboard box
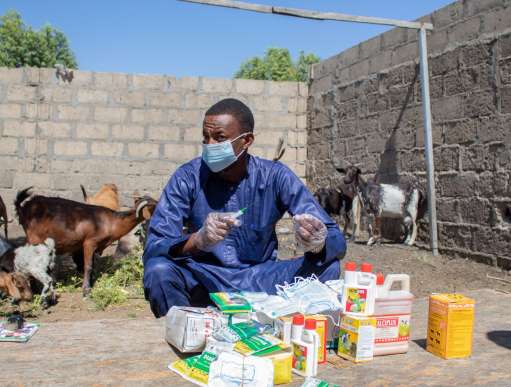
<point x="321" y="330"/>
<point x="450" y="325"/>
<point x="282" y="365"/>
<point x="356" y="337"/>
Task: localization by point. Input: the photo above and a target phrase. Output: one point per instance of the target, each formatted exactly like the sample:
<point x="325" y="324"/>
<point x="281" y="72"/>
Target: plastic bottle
<point x="297" y="327"/>
<point x="392" y="311"/>
<point x="380" y="289"/>
<point x="306" y="350"/>
<point x="359" y="291"/>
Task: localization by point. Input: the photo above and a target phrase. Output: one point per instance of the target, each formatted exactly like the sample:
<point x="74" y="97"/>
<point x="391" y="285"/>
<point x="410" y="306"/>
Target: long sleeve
<point x="295" y="198"/>
<point x="166" y="225"/>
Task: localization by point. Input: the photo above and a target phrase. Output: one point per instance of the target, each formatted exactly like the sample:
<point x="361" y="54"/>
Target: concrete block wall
<point x="129" y="129"/>
<point x="365" y="108"/>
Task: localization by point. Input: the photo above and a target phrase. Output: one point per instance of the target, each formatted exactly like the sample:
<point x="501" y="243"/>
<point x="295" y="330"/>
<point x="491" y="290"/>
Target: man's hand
<point x="310" y="232"/>
<point x="215" y="228"/>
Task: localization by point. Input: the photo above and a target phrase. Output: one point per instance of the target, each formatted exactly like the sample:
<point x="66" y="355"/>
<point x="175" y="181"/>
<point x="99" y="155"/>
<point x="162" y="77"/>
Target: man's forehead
<point x="221" y="121"/>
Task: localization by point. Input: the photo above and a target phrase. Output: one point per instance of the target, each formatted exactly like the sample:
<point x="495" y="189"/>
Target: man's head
<point x="231" y="122"/>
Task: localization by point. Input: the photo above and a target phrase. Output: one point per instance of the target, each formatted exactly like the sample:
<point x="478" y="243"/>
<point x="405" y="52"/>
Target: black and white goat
<point x="341" y="201"/>
<point x="38" y="261"/>
<point x="406" y="202"/>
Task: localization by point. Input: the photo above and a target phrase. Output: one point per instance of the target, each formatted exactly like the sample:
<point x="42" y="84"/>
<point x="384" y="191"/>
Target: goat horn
<point x="141" y="205"/>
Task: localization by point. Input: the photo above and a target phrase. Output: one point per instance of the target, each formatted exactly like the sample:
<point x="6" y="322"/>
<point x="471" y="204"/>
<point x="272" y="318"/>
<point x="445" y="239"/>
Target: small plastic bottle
<point x="306" y="350"/>
<point x="297" y="326"/>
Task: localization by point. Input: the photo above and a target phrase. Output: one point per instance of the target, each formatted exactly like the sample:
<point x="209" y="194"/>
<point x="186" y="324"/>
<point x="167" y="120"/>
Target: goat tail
<point x="21" y="197"/>
<point x="83" y="192"/>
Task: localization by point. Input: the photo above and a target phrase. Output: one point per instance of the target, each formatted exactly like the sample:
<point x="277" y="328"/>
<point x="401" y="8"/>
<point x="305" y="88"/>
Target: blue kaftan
<point x="247" y="258"/>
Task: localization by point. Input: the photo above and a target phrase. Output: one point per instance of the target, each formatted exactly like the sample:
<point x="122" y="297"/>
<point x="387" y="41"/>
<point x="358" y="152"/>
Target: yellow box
<point x="282" y="365"/>
<point x="356" y="337"/>
<point x="321" y="330"/>
<point x="450" y="325"/>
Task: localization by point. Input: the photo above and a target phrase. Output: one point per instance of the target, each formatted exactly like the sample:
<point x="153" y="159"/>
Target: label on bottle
<point x="390" y="329"/>
<point x="356" y="300"/>
<point x="300" y="357"/>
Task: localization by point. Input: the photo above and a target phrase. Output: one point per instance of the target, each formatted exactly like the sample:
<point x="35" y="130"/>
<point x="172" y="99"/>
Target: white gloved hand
<point x="310" y="232"/>
<point x="215" y="228"/>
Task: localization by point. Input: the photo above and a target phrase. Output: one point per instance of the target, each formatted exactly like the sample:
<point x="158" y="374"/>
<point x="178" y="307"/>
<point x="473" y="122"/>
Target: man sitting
<point x="221" y="252"/>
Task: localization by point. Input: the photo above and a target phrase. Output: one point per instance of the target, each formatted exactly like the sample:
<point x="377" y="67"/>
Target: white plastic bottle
<point x="297" y="326"/>
<point x="359" y="291"/>
<point x="306" y="350"/>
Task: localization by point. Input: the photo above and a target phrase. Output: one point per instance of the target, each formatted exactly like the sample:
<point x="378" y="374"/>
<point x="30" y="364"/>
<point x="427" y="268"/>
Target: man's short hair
<point x="235" y="108"/>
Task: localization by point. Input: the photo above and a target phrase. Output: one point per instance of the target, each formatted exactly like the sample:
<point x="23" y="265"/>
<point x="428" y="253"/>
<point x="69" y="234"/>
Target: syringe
<point x="239" y="213"/>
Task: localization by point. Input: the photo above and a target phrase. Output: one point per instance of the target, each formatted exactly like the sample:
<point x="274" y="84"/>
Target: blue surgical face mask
<point x="220" y="155"/>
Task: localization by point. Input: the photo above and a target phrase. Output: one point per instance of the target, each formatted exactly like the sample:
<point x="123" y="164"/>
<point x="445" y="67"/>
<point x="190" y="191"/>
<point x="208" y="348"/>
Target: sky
<point x="184" y="39"/>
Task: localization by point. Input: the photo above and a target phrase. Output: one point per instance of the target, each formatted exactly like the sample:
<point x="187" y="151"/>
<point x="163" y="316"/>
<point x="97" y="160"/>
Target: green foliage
<point x="124" y="280"/>
<point x="21" y="46"/>
<point x="277" y="65"/>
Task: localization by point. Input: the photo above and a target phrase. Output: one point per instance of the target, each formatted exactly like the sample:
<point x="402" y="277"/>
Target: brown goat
<point x="15" y="285"/>
<point x="107" y="196"/>
<point x="3" y="217"/>
<point x="78" y="229"/>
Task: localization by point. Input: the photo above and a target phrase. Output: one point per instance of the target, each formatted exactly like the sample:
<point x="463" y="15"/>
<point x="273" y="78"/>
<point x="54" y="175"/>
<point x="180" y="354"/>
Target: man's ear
<point x="249" y="140"/>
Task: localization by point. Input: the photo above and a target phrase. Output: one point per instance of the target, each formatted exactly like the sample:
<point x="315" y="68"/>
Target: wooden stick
<point x="309" y="14"/>
<point x="498" y="279"/>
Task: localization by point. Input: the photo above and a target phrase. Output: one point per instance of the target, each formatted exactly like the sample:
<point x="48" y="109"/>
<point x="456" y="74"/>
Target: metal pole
<point x="428" y="140"/>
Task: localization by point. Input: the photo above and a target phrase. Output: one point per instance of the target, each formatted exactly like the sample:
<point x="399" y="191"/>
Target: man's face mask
<point x="220" y="155"/>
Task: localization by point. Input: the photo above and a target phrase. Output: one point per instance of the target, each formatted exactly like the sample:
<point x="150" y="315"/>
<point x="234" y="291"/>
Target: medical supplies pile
<point x="256" y="339"/>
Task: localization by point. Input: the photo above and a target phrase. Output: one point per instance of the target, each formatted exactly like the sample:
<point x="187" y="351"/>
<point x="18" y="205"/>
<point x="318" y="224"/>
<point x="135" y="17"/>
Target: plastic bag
<point x="233" y="370"/>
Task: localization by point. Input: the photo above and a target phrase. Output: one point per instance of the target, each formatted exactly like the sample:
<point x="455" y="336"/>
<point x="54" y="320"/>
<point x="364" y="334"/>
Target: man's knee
<point x="156" y="271"/>
<point x="331" y="272"/>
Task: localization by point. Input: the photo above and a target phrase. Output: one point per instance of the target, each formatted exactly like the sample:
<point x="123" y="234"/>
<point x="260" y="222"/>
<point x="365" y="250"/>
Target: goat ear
<point x="359" y="172"/>
<point x="341" y="170"/>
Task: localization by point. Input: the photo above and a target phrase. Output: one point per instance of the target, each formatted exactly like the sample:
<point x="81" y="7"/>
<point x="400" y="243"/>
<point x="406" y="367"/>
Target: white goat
<point x="38" y="261"/>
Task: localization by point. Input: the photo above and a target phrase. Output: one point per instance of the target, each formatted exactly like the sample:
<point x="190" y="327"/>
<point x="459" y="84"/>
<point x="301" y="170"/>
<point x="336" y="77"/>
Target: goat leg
<point x="355" y="210"/>
<point x="88" y="254"/>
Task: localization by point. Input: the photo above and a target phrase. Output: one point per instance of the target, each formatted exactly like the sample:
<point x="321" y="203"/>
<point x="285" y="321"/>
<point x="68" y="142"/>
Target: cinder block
<point x="276" y="121"/>
<point x="288" y="89"/>
<point x="8" y="146"/>
<point x="92" y="96"/>
<point x="70" y="148"/>
<point x="213" y="85"/>
<point x="200" y="101"/>
<point x="130" y="98"/>
<point x="111" y="81"/>
<point x="249" y="86"/>
<point x="16" y="128"/>
<point x="82" y="78"/>
<point x="47" y="76"/>
<point x="187" y="117"/>
<point x="143" y="81"/>
<point x="405" y="53"/>
<point x="393" y="38"/>
<point x="107" y="149"/>
<point x="301" y="122"/>
<point x="36" y="146"/>
<point x="187" y="83"/>
<point x="95" y="130"/>
<point x="193" y="135"/>
<point x="8" y="75"/>
<point x="110" y="114"/>
<point x="163" y="133"/>
<point x="38" y="180"/>
<point x="181" y="152"/>
<point x="165" y="99"/>
<point x="149" y="116"/>
<point x="73" y="113"/>
<point x="54" y="129"/>
<point x="268" y="137"/>
<point x="128" y="132"/>
<point x="31" y="75"/>
<point x="10" y="110"/>
<point x="60" y="94"/>
<point x="6" y="177"/>
<point x="267" y="104"/>
<point x="21" y="93"/>
<point x="144" y="150"/>
<point x="37" y="111"/>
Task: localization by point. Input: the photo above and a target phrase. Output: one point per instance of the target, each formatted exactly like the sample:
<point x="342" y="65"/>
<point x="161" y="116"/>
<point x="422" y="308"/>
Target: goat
<point x="386" y="200"/>
<point x="3" y="217"/>
<point x="78" y="229"/>
<point x="15" y="285"/>
<point x="38" y="261"/>
<point x="334" y="202"/>
<point x="107" y="196"/>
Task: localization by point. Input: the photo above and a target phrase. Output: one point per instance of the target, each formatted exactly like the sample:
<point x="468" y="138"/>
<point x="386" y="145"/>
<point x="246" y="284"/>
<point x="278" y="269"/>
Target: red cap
<point x="350" y="266"/>
<point x="298" y="319"/>
<point x="366" y="267"/>
<point x="310" y="324"/>
<point x="380" y="279"/>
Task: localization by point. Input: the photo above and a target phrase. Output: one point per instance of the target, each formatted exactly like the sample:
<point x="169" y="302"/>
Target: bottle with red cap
<point x="306" y="350"/>
<point x="359" y="292"/>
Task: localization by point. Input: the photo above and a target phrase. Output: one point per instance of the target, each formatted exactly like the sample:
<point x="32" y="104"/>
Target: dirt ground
<point x="428" y="274"/>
